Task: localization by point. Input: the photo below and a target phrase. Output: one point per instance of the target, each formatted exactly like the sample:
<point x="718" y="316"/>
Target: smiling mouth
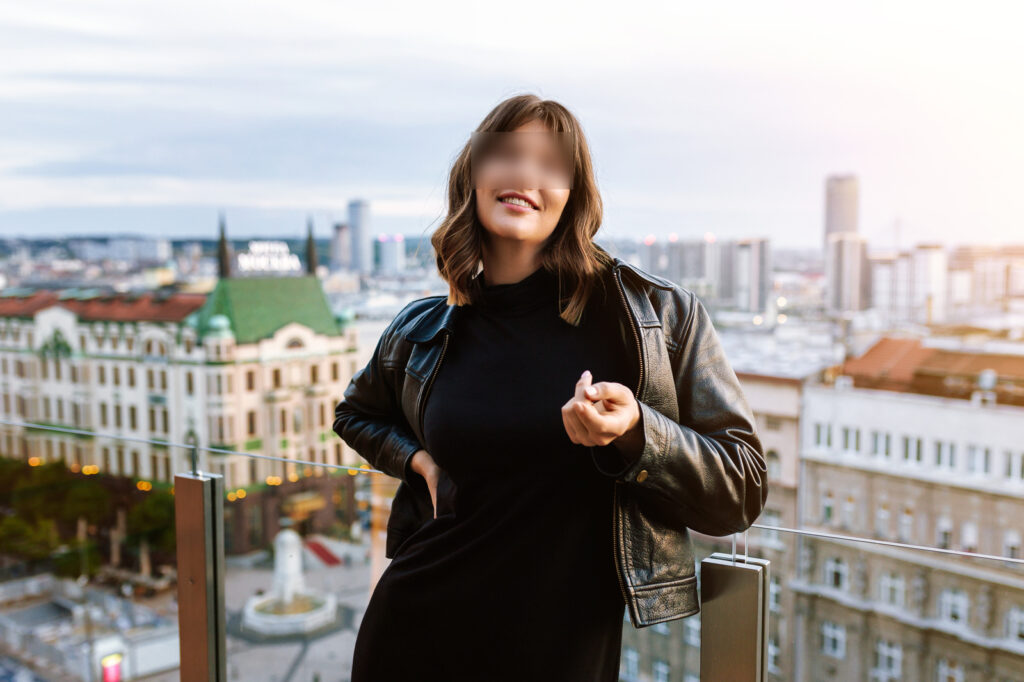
<point x="517" y="201"/>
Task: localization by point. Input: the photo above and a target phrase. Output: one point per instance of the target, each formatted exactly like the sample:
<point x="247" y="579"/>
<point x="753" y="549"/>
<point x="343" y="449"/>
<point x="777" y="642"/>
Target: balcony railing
<point x="833" y="606"/>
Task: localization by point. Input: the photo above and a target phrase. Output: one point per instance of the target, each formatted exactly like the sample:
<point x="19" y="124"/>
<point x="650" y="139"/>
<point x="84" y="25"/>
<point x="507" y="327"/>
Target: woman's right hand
<point x="424" y="465"/>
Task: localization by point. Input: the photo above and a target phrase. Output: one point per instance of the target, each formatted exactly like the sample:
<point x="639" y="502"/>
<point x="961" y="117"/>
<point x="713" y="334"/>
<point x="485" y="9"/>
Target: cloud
<point x="700" y="117"/>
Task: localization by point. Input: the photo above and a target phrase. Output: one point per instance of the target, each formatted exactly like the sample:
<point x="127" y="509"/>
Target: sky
<point x="722" y="118"/>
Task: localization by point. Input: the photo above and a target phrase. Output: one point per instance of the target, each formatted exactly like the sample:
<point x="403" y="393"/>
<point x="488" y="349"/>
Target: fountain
<point x="291" y="608"/>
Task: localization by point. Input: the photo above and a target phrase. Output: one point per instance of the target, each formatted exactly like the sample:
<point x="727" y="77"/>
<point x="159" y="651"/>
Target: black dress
<point x="515" y="578"/>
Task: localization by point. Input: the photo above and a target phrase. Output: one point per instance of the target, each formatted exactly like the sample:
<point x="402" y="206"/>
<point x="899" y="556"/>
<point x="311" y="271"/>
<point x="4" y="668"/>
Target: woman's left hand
<point x="602" y="413"/>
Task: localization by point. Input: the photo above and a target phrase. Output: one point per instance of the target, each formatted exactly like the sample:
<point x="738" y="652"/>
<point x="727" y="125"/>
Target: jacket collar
<point x="442" y="314"/>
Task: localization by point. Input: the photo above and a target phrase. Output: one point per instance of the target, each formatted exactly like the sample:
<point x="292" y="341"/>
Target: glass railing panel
<point x="846" y="607"/>
<point x="87" y="556"/>
<point x="300" y="551"/>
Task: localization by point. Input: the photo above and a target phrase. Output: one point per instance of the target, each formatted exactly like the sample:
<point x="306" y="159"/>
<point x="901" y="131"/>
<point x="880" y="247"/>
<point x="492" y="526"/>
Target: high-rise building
<point x="847" y="282"/>
<point x="392" y="253"/>
<point x="362" y="246"/>
<point x="841" y="204"/>
<point x="341" y="247"/>
<point x="753" y="275"/>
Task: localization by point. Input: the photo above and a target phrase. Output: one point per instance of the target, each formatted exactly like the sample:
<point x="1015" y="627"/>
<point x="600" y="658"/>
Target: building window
<point x="691" y="630"/>
<point x="250" y="380"/>
<point x="774" y="465"/>
<point x="101" y="374"/>
<point x="775" y="594"/>
<point x="773" y="657"/>
<point x="882" y="521"/>
<point x="888" y="661"/>
<point x="314" y="375"/>
<point x="833" y="639"/>
<point x="132" y="418"/>
<point x="1014" y="466"/>
<point x="1015" y="625"/>
<point x="836" y="573"/>
<point x="891" y="588"/>
<point x="252" y="422"/>
<point x="149" y="379"/>
<point x="944" y="533"/>
<point x="770" y="517"/>
<point x="334" y="371"/>
<point x="953" y="605"/>
<point x="947" y="671"/>
<point x="189" y="383"/>
<point x="849" y="510"/>
<point x="660" y="669"/>
<point x="969" y="537"/>
<point x="906" y="532"/>
<point x="277" y="378"/>
<point x="1011" y="544"/>
<point x="827" y="508"/>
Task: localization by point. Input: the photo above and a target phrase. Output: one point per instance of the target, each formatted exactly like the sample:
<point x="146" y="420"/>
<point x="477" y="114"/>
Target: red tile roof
<point x="889" y="359"/>
<point x="119" y="307"/>
<point x="907" y="366"/>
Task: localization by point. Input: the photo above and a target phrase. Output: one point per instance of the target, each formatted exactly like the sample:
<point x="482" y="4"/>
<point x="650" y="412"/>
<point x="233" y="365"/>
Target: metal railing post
<point x="199" y="529"/>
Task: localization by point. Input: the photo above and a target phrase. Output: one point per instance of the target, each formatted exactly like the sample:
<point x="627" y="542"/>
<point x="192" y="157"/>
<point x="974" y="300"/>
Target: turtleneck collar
<point x="537" y="290"/>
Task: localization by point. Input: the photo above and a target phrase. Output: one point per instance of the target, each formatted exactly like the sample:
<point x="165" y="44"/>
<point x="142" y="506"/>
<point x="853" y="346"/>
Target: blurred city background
<point x="208" y="214"/>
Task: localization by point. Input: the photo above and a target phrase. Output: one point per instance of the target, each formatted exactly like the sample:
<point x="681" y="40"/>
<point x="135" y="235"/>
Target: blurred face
<point x="522" y="180"/>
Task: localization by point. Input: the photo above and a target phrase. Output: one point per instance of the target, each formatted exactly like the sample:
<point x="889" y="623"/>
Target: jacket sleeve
<point x="370" y="420"/>
<point x="707" y="471"/>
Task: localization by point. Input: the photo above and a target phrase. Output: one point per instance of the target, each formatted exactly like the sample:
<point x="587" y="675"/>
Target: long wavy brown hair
<point x="570" y="251"/>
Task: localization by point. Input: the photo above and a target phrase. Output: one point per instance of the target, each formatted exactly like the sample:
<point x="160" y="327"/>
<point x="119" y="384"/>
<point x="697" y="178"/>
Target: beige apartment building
<point x="918" y="445"/>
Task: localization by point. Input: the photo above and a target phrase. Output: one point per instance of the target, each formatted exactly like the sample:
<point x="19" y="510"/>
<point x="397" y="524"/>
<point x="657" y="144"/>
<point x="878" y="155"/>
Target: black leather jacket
<point x="702" y="465"/>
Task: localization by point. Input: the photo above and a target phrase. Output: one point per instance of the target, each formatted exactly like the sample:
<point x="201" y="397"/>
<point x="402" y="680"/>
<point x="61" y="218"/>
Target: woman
<point x="527" y="426"/>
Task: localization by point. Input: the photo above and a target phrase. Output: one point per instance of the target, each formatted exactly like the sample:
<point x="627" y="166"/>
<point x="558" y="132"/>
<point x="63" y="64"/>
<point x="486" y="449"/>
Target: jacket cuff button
<point x="642" y="476"/>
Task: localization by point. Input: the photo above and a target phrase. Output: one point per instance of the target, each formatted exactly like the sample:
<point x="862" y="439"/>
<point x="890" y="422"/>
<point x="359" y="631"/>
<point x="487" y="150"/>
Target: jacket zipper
<point x="616" y="526"/>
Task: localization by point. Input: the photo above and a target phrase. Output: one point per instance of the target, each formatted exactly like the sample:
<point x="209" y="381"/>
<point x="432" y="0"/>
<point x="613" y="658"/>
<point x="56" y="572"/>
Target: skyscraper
<point x="362" y="246"/>
<point x="842" y="194"/>
<point x="847" y="274"/>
